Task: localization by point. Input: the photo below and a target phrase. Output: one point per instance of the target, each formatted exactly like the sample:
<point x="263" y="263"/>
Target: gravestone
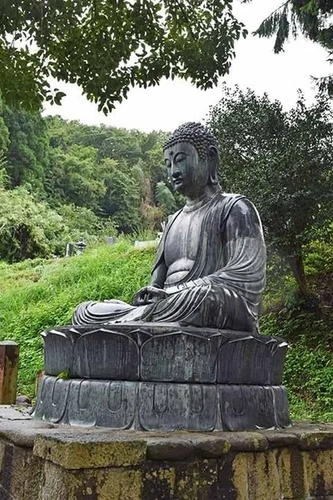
<point x="69" y="250"/>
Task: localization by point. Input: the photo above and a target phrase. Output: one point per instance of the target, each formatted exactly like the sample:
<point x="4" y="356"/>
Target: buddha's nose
<point x="174" y="173"/>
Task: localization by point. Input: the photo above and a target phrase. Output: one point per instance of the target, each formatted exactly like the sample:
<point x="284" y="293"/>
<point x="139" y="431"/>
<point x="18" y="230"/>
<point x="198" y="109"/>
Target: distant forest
<point x="63" y="180"/>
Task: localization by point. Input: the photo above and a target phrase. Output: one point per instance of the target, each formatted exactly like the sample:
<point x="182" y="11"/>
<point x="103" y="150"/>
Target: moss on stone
<point x="80" y="455"/>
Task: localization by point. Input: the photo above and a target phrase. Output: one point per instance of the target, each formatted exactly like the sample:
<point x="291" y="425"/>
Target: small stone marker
<point x="9" y="358"/>
<point x="110" y="240"/>
<point x="69" y="250"/>
<point x="80" y="246"/>
<point x="145" y="244"/>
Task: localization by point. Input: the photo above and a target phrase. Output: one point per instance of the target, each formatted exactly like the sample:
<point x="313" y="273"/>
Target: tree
<point x="283" y="162"/>
<point x="122" y="198"/>
<point x="28" y="148"/>
<point x="107" y="47"/>
<point x="4" y="134"/>
<point x="73" y="176"/>
<point x="310" y="17"/>
<point x="143" y="182"/>
<point x="121" y="145"/>
<point x="109" y="170"/>
<point x="165" y="199"/>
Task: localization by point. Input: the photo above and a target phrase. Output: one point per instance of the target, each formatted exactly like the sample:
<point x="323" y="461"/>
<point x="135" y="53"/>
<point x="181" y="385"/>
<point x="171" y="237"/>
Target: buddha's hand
<point x="148" y="295"/>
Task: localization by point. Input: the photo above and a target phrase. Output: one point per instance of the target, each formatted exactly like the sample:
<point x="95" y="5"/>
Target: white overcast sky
<point x="174" y="102"/>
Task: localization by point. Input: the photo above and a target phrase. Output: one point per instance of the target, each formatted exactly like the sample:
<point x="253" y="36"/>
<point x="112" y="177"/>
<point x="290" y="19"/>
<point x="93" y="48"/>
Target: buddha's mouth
<point x="177" y="182"/>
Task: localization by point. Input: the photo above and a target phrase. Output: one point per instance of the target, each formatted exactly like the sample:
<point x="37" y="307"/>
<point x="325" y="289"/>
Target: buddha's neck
<point x="209" y="192"/>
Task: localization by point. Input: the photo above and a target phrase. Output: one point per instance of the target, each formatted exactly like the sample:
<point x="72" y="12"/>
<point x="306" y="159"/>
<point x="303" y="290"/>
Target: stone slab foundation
<point x="43" y="461"/>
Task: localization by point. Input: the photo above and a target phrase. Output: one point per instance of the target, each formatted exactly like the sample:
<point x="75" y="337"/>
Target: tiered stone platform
<point x="145" y="376"/>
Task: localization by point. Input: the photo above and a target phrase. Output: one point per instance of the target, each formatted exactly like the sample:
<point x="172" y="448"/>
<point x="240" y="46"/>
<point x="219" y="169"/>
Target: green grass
<point x="38" y="294"/>
<point x="308" y="373"/>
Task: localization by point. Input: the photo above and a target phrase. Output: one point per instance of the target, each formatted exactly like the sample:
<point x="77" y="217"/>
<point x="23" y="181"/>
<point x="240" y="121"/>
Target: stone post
<point x="9" y="358"/>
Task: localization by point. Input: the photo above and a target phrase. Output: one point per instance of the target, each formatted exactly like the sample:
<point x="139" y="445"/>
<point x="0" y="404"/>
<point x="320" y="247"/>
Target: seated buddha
<point x="210" y="265"/>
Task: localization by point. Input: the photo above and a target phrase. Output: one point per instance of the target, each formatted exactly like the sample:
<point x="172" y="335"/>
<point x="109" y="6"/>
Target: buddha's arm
<point x="159" y="275"/>
<point x="228" y="296"/>
<point x="244" y="253"/>
<point x="154" y="291"/>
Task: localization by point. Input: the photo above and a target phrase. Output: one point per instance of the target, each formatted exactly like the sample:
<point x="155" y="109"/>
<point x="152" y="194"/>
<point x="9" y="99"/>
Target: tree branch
<point x="282" y="6"/>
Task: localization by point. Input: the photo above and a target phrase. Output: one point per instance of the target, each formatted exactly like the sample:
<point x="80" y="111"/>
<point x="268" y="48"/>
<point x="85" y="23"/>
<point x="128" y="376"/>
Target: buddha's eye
<point x="167" y="163"/>
<point x="180" y="158"/>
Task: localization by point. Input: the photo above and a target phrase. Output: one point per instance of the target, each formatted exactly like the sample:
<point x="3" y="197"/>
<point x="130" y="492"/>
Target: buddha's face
<point x="187" y="172"/>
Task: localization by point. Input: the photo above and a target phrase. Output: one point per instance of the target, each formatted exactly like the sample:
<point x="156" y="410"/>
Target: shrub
<point x="28" y="228"/>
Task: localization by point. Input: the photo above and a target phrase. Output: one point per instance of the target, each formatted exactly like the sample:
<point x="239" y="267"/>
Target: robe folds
<point x="222" y="290"/>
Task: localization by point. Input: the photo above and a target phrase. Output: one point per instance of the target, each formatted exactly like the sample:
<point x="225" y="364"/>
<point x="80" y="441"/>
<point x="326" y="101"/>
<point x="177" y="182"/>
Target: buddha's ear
<point x="213" y="164"/>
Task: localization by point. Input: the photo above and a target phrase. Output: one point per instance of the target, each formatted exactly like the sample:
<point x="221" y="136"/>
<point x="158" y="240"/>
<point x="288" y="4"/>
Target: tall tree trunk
<point x="297" y="266"/>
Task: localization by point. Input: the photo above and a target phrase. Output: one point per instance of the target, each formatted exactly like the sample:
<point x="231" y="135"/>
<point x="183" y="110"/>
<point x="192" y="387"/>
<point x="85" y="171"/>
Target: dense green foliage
<point x="312" y="18"/>
<point x="107" y="47"/>
<point x="282" y="160"/>
<point x="61" y="181"/>
<point x="35" y="295"/>
<point x="28" y="151"/>
<point x="110" y="171"/>
<point x="30" y="228"/>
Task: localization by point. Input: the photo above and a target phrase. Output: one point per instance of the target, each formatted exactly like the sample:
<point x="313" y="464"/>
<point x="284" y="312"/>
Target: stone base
<point x="42" y="461"/>
<point x="165" y="376"/>
<point x="163" y="352"/>
<point x="161" y="406"/>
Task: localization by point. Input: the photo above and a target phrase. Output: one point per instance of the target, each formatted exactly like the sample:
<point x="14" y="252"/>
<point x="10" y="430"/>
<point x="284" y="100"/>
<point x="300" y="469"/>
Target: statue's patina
<point x="187" y="354"/>
<point x="210" y="265"/>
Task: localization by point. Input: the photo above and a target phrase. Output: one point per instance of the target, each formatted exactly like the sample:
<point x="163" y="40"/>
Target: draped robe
<point x="223" y="288"/>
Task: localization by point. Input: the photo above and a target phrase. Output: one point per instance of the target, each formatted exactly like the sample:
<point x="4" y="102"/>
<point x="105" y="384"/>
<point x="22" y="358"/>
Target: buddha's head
<point x="192" y="159"/>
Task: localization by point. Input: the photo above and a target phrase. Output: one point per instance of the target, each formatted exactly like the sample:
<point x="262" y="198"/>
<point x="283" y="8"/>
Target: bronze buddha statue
<point x="187" y="354"/>
<point x="210" y="265"/>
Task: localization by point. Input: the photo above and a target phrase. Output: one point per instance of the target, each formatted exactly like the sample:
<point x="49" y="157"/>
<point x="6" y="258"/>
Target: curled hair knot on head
<point x="196" y="134"/>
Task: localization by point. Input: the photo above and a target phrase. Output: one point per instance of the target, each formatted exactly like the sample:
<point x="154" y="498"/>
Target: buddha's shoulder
<point x="231" y="197"/>
<point x="221" y="203"/>
<point x="239" y="208"/>
<point x="238" y="201"/>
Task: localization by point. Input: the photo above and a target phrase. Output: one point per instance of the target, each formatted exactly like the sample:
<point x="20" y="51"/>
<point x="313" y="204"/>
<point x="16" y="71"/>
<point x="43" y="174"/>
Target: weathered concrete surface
<point x="40" y="461"/>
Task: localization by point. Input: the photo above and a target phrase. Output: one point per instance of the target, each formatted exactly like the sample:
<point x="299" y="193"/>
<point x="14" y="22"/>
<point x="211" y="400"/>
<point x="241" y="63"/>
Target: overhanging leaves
<point x="108" y="46"/>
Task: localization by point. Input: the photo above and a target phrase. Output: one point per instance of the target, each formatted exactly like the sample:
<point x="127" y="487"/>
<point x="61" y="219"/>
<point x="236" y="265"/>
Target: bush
<point x="82" y="224"/>
<point x="28" y="228"/>
<point x="308" y="373"/>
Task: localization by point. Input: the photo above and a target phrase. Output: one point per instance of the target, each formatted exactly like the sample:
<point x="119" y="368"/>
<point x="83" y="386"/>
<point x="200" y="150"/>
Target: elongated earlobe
<point x="213" y="163"/>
